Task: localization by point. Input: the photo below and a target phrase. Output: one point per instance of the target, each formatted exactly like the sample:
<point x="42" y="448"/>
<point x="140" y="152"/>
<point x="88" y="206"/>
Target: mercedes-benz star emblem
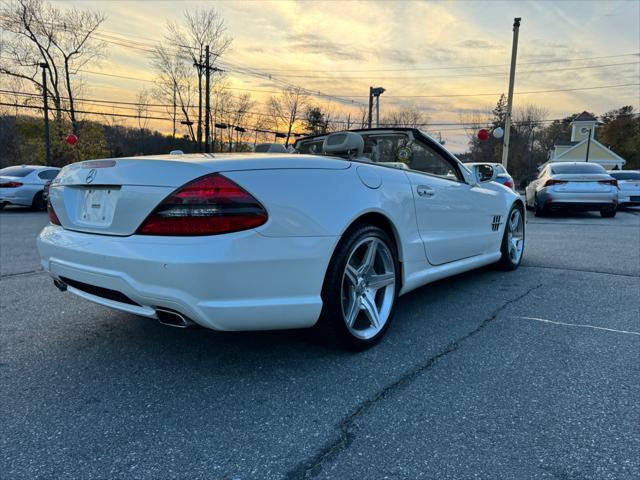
<point x="91" y="175"/>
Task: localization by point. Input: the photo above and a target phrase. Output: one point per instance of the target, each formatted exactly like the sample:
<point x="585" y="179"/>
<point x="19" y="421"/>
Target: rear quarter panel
<point x="327" y="202"/>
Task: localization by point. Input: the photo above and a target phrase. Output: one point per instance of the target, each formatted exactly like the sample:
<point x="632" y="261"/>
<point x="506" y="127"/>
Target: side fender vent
<point x="495" y="223"/>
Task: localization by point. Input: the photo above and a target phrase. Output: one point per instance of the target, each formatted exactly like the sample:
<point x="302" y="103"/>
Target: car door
<point x="455" y="219"/>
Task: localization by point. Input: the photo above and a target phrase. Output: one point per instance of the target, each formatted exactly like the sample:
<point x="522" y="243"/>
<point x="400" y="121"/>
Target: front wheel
<point x="360" y="289"/>
<point x="512" y="246"/>
<point x="608" y="212"/>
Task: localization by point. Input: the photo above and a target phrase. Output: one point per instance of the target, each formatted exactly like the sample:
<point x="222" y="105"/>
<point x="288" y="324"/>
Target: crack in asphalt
<point x="18" y="274"/>
<point x="312" y="466"/>
<point x="548" y="267"/>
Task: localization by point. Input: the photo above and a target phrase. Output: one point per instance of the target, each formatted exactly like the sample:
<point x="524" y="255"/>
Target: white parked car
<point x="573" y="185"/>
<point x="628" y="187"/>
<point x="24" y="185"/>
<point x="255" y="241"/>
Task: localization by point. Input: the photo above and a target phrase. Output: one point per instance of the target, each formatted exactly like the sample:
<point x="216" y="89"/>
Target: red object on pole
<point x="72" y="139"/>
<point x="483" y="134"/>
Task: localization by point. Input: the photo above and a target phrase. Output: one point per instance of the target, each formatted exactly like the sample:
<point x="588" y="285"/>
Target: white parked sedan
<point x="273" y="241"/>
<point x="628" y="187"/>
<point x="23" y="185"/>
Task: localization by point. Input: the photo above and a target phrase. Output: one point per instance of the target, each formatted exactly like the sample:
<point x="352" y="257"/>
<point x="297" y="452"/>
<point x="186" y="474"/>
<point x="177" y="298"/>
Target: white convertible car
<point x="329" y="236"/>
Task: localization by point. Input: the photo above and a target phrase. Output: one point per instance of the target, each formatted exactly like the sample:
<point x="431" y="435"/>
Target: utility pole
<point x="207" y="108"/>
<point x="47" y="143"/>
<point x="370" y="105"/>
<point x="512" y="77"/>
<point x="208" y="69"/>
<point x="174" y="111"/>
<point x="588" y="145"/>
<point x="377" y="111"/>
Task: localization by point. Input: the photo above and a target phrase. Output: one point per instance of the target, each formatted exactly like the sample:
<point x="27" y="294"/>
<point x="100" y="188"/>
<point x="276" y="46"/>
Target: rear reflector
<point x="209" y="205"/>
<point x="551" y="182"/>
<point x="10" y="184"/>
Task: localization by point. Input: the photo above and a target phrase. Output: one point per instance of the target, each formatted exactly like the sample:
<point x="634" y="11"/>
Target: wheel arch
<point x="383" y="222"/>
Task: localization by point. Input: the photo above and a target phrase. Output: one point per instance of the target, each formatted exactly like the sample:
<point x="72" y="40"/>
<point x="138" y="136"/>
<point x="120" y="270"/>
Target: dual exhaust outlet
<point x="165" y="316"/>
<point x="171" y="318"/>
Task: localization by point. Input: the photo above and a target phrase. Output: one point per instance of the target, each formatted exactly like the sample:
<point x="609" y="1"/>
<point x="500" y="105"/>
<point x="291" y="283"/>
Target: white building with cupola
<point x="584" y="147"/>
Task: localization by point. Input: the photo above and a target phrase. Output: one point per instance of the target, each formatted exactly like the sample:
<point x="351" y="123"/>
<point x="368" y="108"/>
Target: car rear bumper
<point x="578" y="200"/>
<point x="16" y="196"/>
<point x="628" y="199"/>
<point x="239" y="281"/>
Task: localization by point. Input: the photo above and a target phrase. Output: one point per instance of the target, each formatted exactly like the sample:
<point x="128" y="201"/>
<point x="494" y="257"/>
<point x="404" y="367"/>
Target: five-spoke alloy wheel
<point x="361" y="288"/>
<point x="513" y="238"/>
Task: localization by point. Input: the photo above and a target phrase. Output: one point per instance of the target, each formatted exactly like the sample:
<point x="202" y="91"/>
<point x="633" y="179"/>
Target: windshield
<point x="569" y="168"/>
<point x="16" y="171"/>
<point x="625" y="175"/>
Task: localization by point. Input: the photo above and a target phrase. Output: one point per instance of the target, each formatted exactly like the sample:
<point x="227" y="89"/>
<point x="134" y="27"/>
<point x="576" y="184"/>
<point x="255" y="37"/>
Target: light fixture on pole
<point x="376" y="92"/>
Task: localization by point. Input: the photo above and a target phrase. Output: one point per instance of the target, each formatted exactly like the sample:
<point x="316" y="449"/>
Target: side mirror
<point x="484" y="173"/>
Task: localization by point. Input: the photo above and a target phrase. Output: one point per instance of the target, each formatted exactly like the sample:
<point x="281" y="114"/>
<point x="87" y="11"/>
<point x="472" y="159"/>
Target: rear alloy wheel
<point x="38" y="203"/>
<point x="361" y="288"/>
<point x="513" y="239"/>
<point x="608" y="212"/>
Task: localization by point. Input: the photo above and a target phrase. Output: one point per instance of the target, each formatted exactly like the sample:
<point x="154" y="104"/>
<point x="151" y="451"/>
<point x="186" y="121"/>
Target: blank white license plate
<point x="99" y="205"/>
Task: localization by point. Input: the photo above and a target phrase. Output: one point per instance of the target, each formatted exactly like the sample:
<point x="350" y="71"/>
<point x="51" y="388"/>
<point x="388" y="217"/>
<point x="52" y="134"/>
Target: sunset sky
<point x="412" y="49"/>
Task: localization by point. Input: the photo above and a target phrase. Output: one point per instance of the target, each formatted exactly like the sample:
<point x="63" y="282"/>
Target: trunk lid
<point x="113" y="197"/>
<point x="583" y="183"/>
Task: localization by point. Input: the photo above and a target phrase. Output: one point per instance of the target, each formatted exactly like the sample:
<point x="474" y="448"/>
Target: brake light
<point x="53" y="218"/>
<point x="552" y="181"/>
<point x="10" y="185"/>
<point x="209" y="205"/>
<point x="612" y="181"/>
<point x="508" y="183"/>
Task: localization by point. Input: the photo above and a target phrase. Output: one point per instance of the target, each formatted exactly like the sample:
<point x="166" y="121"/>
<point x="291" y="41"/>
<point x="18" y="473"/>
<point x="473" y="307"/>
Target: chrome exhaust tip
<point x="60" y="285"/>
<point x="171" y="318"/>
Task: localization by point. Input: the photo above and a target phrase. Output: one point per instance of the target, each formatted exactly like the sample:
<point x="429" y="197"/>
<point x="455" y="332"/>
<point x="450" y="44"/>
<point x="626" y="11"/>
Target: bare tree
<point x="408" y="117"/>
<point x="63" y="39"/>
<point x="201" y="27"/>
<point x="143" y="100"/>
<point x="174" y="84"/>
<point x="286" y="109"/>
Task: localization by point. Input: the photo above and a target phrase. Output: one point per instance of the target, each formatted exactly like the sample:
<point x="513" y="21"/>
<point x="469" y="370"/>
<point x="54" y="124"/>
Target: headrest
<point x="347" y="143"/>
<point x="270" y="148"/>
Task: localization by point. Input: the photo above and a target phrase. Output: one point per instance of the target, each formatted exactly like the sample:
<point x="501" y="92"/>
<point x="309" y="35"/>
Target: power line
<point x="473" y="75"/>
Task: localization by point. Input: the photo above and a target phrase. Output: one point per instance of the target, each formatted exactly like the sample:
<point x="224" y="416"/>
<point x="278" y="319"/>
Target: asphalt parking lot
<point x="528" y="374"/>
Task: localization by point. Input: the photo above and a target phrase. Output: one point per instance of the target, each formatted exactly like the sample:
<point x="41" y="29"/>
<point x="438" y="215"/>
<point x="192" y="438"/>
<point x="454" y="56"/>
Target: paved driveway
<point x="528" y="374"/>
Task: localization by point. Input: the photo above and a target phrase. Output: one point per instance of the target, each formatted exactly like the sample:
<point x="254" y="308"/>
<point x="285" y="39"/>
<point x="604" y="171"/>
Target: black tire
<point x="506" y="262"/>
<point x="332" y="326"/>
<point x="38" y="204"/>
<point x="2" y="205"/>
<point x="608" y="212"/>
<point x="538" y="210"/>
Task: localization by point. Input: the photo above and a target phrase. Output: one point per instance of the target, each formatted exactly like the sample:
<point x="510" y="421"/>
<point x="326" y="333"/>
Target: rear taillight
<point x="508" y="183"/>
<point x="209" y="205"/>
<point x="613" y="182"/>
<point x="10" y="184"/>
<point x="552" y="181"/>
<point x="53" y="218"/>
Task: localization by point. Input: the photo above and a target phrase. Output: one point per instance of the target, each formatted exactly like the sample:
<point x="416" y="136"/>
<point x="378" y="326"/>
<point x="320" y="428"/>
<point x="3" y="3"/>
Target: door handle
<point x="425" y="191"/>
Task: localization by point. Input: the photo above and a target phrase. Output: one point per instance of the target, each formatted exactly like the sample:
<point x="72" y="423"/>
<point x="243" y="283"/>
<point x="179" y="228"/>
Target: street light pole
<point x="588" y="145"/>
<point x="512" y="77"/>
<point x="377" y="111"/>
<point x="47" y="143"/>
<point x="370" y="105"/>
